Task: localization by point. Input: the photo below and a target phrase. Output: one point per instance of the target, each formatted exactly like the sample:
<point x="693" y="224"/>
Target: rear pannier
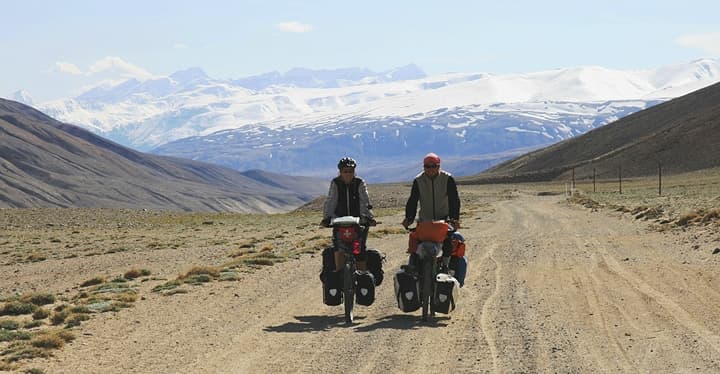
<point x="364" y="288"/>
<point x="332" y="288"/>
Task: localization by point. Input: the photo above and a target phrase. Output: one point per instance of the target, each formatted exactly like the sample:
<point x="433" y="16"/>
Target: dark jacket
<point x="438" y="197"/>
<point x="347" y="199"/>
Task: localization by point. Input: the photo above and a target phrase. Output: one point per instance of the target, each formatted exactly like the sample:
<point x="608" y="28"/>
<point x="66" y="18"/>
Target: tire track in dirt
<point x="508" y="335"/>
<point x="674" y="309"/>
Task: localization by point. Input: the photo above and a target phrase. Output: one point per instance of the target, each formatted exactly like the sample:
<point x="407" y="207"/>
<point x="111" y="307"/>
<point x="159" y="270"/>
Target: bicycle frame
<point x="429" y="252"/>
<point x="351" y="239"/>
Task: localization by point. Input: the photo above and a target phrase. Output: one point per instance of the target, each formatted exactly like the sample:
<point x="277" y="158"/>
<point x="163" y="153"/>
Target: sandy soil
<point x="551" y="287"/>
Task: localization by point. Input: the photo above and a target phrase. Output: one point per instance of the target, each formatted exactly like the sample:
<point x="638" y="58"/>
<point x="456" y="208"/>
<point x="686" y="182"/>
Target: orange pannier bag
<point x="435" y="231"/>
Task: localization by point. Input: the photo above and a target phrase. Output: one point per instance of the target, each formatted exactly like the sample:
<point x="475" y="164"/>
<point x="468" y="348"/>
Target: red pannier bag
<point x="435" y="231"/>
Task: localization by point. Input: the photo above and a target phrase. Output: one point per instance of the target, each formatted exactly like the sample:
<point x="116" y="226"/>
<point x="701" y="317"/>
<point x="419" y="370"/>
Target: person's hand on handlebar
<point x="455" y="223"/>
<point x="406" y="223"/>
<point x="369" y="221"/>
<point x="325" y="222"/>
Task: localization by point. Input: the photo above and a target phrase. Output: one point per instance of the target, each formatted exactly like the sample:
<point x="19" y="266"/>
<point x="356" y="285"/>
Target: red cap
<point x="431" y="158"/>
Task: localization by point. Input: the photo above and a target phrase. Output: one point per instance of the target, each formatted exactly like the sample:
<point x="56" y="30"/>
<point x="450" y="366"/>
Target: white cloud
<point x="108" y="67"/>
<point x="708" y="43"/>
<point x="180" y="46"/>
<point x="293" y="26"/>
<point x="66" y="67"/>
<point x="118" y="66"/>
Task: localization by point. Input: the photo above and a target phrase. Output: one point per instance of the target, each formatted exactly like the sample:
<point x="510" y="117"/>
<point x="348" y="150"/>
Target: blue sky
<point x="52" y="48"/>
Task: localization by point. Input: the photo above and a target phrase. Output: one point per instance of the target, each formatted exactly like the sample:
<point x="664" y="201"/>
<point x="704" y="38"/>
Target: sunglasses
<point x="433" y="166"/>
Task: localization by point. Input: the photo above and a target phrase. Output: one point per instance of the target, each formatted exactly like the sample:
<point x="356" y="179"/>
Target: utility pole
<point x="659" y="178"/>
<point x="594" y="190"/>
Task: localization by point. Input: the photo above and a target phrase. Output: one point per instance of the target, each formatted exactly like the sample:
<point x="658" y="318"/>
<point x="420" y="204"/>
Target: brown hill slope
<point x="46" y="163"/>
<point x="682" y="134"/>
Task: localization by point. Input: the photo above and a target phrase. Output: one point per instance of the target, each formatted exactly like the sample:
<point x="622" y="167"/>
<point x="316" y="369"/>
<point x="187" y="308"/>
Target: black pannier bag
<point x="445" y="293"/>
<point x="328" y="263"/>
<point x="374" y="264"/>
<point x="332" y="288"/>
<point x="364" y="288"/>
<point x="407" y="291"/>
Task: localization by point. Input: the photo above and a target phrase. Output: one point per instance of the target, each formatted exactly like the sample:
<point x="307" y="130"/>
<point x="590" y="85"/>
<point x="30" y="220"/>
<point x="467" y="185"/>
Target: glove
<point x="406" y="222"/>
<point x="325" y="222"/>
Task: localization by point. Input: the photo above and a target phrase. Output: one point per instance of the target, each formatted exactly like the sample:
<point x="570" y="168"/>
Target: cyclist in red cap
<point x="437" y="194"/>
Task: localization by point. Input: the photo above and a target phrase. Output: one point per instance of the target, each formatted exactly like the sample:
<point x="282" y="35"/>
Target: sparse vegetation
<point x="9" y="324"/>
<point x="39" y="298"/>
<point x="92" y="282"/>
<point x="234" y="244"/>
<point x="16" y="308"/>
<point x="136" y="273"/>
<point x="40" y="313"/>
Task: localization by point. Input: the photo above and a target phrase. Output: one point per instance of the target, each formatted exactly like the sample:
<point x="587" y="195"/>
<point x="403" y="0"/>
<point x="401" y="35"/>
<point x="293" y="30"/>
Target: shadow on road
<point x="313" y="323"/>
<point x="403" y="322"/>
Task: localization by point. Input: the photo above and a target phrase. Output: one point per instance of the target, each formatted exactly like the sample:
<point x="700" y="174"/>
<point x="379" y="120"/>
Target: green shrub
<point x="17" y="308"/>
<point x="9" y="324"/>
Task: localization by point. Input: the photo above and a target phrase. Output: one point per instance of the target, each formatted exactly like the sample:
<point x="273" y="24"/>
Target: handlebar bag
<point x="435" y="231"/>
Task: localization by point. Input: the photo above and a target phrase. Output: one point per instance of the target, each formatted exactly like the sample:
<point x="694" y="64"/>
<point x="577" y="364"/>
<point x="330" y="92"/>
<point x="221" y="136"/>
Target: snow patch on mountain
<point x="271" y="120"/>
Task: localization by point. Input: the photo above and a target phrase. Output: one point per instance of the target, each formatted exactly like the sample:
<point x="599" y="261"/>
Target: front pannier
<point x="407" y="291"/>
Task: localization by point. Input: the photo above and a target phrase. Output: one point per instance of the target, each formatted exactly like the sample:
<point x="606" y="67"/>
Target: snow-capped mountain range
<point x="300" y="122"/>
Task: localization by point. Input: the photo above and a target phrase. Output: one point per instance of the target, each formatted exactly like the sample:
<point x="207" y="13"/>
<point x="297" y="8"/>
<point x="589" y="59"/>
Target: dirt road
<point x="551" y="288"/>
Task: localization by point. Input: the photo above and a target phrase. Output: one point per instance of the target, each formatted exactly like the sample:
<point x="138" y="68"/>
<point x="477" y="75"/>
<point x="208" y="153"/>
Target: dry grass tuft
<point x="713" y="214"/>
<point x="39" y="298"/>
<point x="242" y="252"/>
<point x="584" y="201"/>
<point x="4" y="366"/>
<point x="35" y="257"/>
<point x="47" y="341"/>
<point x="387" y="231"/>
<point x="136" y="273"/>
<point x="93" y="281"/>
<point x="59" y="317"/>
<point x="201" y="270"/>
<point x="40" y="313"/>
<point x="687" y="218"/>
